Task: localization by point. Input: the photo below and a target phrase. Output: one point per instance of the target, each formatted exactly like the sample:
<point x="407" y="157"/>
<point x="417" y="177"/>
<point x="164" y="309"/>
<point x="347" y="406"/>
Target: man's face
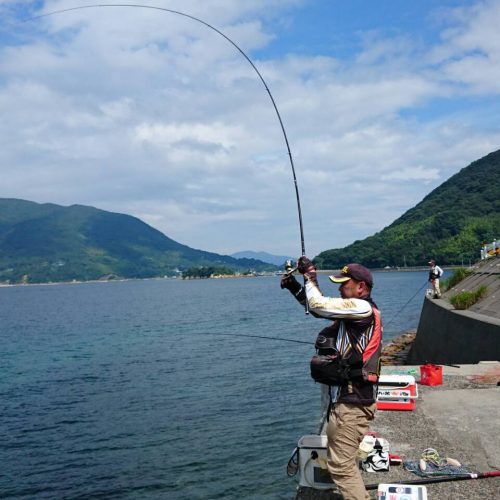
<point x="350" y="289"/>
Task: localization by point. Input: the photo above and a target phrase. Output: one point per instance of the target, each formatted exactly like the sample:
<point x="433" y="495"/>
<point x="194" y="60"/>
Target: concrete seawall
<point x="446" y="336"/>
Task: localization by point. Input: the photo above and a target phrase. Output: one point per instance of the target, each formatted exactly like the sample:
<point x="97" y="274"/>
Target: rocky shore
<point x="396" y="351"/>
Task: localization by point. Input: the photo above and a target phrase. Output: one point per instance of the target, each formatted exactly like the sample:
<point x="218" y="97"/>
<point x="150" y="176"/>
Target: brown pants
<point x="347" y="425"/>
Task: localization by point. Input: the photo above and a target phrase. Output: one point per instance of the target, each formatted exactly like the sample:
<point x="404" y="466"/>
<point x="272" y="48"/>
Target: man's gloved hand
<point x="306" y="267"/>
<point x="290" y="283"/>
<point x="304" y="264"/>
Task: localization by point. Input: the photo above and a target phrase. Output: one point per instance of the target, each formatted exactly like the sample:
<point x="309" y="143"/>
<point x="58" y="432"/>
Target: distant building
<point x="490" y="250"/>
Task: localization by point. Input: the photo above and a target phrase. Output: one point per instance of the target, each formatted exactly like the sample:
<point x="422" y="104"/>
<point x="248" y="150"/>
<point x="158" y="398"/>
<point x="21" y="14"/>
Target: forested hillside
<point x="449" y="224"/>
<point x="47" y="242"/>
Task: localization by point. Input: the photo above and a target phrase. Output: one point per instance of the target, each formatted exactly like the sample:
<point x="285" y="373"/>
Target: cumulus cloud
<point x="152" y="114"/>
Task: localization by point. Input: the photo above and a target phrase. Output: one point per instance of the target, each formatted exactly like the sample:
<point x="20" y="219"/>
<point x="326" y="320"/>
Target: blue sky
<point x="143" y="112"/>
<point x="336" y="27"/>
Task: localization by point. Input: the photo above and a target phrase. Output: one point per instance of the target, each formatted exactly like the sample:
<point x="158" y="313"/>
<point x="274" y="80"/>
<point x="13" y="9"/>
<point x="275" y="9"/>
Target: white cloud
<point x="470" y="52"/>
<point x="134" y="111"/>
<point x="213" y="133"/>
<point x="411" y="174"/>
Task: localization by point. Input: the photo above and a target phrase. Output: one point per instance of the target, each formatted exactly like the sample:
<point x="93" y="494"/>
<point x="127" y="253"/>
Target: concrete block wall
<point x="448" y="336"/>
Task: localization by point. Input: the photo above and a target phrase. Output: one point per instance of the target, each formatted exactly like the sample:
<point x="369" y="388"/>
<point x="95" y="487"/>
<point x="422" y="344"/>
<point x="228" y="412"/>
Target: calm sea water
<point x="125" y="391"/>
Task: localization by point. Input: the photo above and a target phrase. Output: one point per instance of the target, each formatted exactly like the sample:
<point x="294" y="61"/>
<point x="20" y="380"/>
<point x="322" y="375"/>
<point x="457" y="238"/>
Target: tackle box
<point x="396" y="392"/>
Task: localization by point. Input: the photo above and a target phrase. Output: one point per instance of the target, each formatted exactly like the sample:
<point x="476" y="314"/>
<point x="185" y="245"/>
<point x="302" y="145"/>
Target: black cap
<point x="356" y="272"/>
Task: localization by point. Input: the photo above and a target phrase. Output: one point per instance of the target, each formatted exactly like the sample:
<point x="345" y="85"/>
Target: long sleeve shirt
<point x="335" y="308"/>
<point x="357" y="333"/>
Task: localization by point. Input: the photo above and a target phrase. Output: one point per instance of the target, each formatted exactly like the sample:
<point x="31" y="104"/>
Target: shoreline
<point x="120" y="280"/>
<point x="77" y="282"/>
<point x="395" y="352"/>
<point x="276" y="273"/>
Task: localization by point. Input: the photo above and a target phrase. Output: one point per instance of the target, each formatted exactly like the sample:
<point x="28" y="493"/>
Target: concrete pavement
<point x="460" y="419"/>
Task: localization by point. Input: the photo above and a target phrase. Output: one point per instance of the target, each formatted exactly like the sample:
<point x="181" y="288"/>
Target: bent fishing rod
<point x="240" y="50"/>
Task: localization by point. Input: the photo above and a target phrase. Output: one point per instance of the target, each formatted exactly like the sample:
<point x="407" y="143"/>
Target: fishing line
<point x="398" y="312"/>
<point x="259" y="337"/>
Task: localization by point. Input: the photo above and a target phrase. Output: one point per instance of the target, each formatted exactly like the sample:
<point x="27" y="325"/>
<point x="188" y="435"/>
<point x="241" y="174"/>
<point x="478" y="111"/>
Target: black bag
<point x="330" y="369"/>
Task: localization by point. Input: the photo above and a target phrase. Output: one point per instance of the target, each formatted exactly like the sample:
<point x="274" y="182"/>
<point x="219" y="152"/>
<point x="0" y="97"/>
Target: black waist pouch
<point x="330" y="369"/>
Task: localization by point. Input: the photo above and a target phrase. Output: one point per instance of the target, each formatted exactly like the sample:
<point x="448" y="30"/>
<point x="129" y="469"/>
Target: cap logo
<point x="345" y="270"/>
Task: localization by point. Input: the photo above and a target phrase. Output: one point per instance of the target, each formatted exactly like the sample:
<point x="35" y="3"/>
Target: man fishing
<point x="347" y="361"/>
<point x="435" y="273"/>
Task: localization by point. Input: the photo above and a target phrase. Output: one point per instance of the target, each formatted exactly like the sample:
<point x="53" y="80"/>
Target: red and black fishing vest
<point x="355" y="345"/>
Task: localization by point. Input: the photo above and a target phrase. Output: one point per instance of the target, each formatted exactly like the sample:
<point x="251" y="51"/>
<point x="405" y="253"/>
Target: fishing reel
<point x="290" y="267"/>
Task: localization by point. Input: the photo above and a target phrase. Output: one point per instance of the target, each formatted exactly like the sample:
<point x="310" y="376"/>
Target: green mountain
<point x="449" y="224"/>
<point x="47" y="242"/>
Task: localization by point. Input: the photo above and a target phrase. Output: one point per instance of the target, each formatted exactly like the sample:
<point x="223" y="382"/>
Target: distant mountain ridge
<point x="449" y="224"/>
<point x="48" y="242"/>
<point x="277" y="260"/>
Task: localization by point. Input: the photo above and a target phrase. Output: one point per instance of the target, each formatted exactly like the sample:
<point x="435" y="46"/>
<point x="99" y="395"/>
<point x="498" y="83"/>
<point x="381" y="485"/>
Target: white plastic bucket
<point x="312" y="462"/>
